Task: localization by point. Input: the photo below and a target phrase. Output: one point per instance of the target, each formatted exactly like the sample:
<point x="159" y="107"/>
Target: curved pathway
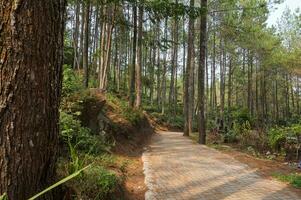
<point x="177" y="168"/>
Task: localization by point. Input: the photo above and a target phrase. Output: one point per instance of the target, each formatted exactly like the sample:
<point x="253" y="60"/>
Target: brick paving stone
<point x="177" y="168"/>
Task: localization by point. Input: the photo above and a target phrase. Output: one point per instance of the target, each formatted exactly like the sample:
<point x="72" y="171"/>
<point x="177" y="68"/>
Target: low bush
<point x="293" y="178"/>
<point x="72" y="82"/>
<point x="176" y="121"/>
<point x="81" y="138"/>
<point x="134" y="116"/>
<point x="287" y="139"/>
<point x="96" y="182"/>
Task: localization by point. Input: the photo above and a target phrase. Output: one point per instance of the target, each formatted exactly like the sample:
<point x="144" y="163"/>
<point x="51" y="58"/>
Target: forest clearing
<point x="150" y="99"/>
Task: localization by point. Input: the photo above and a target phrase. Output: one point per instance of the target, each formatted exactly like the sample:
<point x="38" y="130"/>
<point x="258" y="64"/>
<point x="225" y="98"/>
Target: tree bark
<point x="158" y="68"/>
<point x="75" y="36"/>
<point x="201" y="74"/>
<point x="230" y="84"/>
<point x="172" y="87"/>
<point x="164" y="69"/>
<point x="86" y="44"/>
<point x="139" y="59"/>
<point x="213" y="86"/>
<point x="188" y="104"/>
<point x="222" y="82"/>
<point x="31" y="46"/>
<point x="132" y="68"/>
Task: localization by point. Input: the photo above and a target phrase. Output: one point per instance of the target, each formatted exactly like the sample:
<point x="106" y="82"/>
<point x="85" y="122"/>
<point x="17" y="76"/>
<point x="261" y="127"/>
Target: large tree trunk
<point x="201" y="75"/>
<point x="188" y="103"/>
<point x="31" y="39"/>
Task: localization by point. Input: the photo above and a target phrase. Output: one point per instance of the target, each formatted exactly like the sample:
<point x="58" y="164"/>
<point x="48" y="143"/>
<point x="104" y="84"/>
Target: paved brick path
<point x="178" y="169"/>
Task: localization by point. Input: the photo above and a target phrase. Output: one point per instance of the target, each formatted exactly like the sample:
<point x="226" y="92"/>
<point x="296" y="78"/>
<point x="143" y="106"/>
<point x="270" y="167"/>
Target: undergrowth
<point x="120" y="105"/>
<point x="293" y="178"/>
<point x="82" y="147"/>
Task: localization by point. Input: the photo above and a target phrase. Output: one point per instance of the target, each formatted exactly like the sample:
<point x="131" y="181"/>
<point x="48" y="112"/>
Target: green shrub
<point x="97" y="183"/>
<point x="241" y="116"/>
<point x="80" y="138"/>
<point x="244" y="133"/>
<point x="134" y="116"/>
<point x="237" y="115"/>
<point x="240" y="132"/>
<point x="286" y="138"/>
<point x="176" y="121"/>
<point x="280" y="135"/>
<point x="72" y="82"/>
<point x="293" y="178"/>
<point x="276" y="137"/>
<point x="107" y="180"/>
<point x="230" y="136"/>
<point x="3" y="197"/>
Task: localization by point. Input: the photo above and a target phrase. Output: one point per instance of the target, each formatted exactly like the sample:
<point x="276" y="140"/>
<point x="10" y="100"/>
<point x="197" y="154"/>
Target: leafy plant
<point x="72" y="82"/>
<point x="280" y="135"/>
<point x="3" y="197"/>
<point x="134" y="116"/>
<point x="293" y="178"/>
<point x="81" y="138"/>
<point x="97" y="183"/>
<point x="59" y="183"/>
<point x="276" y="137"/>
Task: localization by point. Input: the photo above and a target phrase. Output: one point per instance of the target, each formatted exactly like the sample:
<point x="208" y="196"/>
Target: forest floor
<point x="176" y="167"/>
<point x="134" y="184"/>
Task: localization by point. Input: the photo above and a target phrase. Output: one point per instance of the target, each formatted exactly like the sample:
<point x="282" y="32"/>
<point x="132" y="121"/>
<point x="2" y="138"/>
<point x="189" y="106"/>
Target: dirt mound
<point x="105" y="114"/>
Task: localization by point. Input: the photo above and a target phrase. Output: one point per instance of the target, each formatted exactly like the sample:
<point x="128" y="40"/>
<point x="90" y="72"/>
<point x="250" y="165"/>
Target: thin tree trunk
<point x="213" y="88"/>
<point x="158" y="68"/>
<point x="86" y="44"/>
<point x="139" y="59"/>
<point x="222" y="83"/>
<point x="201" y="74"/>
<point x="75" y="36"/>
<point x="172" y="88"/>
<point x="164" y="70"/>
<point x="82" y="34"/>
<point x="132" y="68"/>
<point x="230" y="84"/>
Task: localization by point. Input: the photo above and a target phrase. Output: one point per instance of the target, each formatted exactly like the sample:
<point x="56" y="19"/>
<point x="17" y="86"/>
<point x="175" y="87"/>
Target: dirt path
<point x="177" y="168"/>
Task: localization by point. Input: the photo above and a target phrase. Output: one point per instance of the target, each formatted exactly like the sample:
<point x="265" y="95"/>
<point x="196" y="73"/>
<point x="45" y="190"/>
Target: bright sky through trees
<point x="278" y="10"/>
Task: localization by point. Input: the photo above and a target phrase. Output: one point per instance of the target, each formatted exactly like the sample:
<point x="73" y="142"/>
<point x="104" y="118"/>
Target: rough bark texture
<point x="201" y="74"/>
<point x="86" y="44"/>
<point x="188" y="103"/>
<point x="132" y="68"/>
<point x="174" y="64"/>
<point x="139" y="60"/>
<point x="31" y="39"/>
<point x="164" y="69"/>
<point x="75" y="36"/>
